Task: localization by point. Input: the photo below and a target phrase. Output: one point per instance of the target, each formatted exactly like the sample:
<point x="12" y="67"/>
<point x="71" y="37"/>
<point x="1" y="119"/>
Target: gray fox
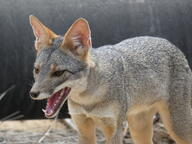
<point x="129" y="81"/>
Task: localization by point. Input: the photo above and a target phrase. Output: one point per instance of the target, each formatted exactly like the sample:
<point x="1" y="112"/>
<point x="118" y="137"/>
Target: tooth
<point x="61" y="93"/>
<point x="43" y="110"/>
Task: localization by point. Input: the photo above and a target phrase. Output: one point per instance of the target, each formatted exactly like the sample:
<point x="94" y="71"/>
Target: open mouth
<point x="55" y="102"/>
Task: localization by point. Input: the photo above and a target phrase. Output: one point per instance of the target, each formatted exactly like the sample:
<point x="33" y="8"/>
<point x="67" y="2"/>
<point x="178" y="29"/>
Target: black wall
<point x="111" y="21"/>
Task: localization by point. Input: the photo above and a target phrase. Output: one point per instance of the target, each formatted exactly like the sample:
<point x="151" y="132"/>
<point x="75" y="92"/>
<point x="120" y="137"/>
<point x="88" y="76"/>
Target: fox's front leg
<point x="113" y="134"/>
<point x="118" y="136"/>
<point x="86" y="129"/>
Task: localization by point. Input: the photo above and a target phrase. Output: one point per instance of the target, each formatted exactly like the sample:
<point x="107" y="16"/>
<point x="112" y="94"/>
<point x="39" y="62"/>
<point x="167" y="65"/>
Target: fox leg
<point x="86" y="129"/>
<point x="118" y="136"/>
<point x="140" y="124"/>
<point x="113" y="132"/>
<point x="177" y="117"/>
<point x="108" y="132"/>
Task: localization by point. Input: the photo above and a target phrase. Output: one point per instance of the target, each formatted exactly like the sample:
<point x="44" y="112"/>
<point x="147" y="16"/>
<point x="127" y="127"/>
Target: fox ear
<point x="77" y="40"/>
<point x="43" y="34"/>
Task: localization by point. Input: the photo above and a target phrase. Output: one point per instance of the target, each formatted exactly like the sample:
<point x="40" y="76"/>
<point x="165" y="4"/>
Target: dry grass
<point x="57" y="132"/>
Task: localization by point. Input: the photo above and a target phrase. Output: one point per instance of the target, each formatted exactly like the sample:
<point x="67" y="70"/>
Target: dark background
<point x="110" y="20"/>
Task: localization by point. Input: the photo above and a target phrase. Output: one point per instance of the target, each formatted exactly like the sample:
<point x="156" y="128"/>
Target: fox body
<point x="129" y="81"/>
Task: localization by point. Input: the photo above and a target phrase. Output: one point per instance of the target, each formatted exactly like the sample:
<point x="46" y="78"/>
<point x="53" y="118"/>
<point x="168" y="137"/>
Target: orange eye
<point x="58" y="73"/>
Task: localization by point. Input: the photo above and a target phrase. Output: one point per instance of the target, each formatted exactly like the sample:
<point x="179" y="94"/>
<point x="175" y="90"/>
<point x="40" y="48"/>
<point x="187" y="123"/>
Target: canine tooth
<point x="43" y="110"/>
<point x="61" y="93"/>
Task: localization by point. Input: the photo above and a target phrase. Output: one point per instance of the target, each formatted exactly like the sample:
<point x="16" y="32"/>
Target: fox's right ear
<point x="44" y="35"/>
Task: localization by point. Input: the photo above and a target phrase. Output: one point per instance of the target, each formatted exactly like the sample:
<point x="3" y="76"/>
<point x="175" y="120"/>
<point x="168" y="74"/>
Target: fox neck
<point x="95" y="90"/>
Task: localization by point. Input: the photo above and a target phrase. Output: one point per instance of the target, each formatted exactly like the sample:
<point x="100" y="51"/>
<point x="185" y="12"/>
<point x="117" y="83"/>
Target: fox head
<point x="62" y="63"/>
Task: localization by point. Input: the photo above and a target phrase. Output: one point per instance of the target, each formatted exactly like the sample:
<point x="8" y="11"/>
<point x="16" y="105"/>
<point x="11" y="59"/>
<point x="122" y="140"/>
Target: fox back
<point x="136" y="71"/>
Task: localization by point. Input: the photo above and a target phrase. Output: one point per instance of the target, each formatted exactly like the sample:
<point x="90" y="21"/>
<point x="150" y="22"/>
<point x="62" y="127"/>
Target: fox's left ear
<point x="77" y="40"/>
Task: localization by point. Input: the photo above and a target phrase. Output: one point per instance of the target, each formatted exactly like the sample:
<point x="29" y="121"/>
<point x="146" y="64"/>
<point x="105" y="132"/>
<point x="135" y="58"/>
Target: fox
<point x="130" y="82"/>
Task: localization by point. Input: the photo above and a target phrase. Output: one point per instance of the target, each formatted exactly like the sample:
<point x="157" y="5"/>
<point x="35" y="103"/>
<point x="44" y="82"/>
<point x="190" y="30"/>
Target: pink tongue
<point x="53" y="102"/>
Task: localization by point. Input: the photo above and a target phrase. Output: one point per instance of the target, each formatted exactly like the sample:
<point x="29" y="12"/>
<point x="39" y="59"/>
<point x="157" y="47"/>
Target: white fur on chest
<point x="107" y="110"/>
<point x="90" y="97"/>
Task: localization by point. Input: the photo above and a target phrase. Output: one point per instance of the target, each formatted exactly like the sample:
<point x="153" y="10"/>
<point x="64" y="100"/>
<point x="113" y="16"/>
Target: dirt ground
<point x="60" y="132"/>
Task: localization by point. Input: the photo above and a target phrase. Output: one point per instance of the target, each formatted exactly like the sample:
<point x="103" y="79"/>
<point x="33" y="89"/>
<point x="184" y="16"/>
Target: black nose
<point x="34" y="94"/>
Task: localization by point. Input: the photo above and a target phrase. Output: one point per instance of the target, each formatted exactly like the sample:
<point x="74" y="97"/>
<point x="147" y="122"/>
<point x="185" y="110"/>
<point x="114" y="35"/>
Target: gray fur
<point x="136" y="71"/>
<point x="54" y="55"/>
<point x="143" y="70"/>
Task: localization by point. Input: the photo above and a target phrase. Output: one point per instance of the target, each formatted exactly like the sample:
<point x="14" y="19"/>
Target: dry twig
<point x="5" y="92"/>
<point x="48" y="130"/>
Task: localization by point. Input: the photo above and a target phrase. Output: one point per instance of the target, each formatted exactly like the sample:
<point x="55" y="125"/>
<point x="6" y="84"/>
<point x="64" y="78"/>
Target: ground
<point x="58" y="132"/>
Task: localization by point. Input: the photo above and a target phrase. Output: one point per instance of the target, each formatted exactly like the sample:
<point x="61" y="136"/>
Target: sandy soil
<point x="33" y="132"/>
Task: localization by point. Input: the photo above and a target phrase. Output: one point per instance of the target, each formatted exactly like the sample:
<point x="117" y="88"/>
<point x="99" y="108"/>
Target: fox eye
<point x="36" y="70"/>
<point x="58" y="73"/>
